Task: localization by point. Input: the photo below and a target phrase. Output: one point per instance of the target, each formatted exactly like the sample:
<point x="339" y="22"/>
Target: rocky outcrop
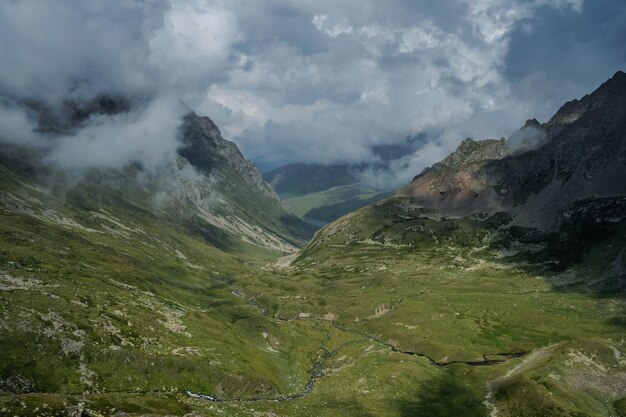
<point x="207" y="150"/>
<point x="456" y="185"/>
<point x="579" y="153"/>
<point x="214" y="187"/>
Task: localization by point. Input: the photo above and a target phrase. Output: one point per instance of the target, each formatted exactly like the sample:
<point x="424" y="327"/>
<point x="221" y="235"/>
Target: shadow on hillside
<point x="347" y="408"/>
<point x="443" y="396"/>
<point x="577" y="263"/>
<point x="585" y="251"/>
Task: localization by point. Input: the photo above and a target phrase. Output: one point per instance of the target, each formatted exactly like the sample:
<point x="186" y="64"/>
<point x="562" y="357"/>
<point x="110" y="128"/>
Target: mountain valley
<point x="492" y="285"/>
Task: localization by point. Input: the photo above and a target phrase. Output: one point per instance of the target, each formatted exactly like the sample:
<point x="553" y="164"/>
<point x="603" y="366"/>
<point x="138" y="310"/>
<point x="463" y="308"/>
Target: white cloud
<point x="307" y="80"/>
<point x="194" y="44"/>
<point x="147" y="135"/>
<point x="16" y="127"/>
<point x="334" y="29"/>
<point x="576" y="5"/>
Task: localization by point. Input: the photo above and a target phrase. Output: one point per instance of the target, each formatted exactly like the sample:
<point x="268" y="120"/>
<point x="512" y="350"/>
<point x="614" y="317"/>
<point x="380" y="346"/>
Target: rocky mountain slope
<point x="579" y="153"/>
<point x="559" y="185"/>
<point x="209" y="186"/>
<point x="250" y="209"/>
<point x="204" y="147"/>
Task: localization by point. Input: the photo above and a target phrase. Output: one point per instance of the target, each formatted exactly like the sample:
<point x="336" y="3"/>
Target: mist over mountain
<point x="562" y="177"/>
<point x="190" y="170"/>
<point x="322" y="193"/>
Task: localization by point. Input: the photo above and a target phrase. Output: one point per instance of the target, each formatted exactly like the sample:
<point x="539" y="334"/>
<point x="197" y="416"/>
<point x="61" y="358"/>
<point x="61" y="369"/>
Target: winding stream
<point x="318" y="366"/>
<point x="484" y="362"/>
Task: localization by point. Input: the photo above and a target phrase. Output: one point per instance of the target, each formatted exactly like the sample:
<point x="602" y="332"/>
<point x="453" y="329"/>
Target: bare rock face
<point x="579" y="153"/>
<point x="211" y="182"/>
<point x="604" y="98"/>
<point x="205" y="148"/>
<point x="456" y="185"/>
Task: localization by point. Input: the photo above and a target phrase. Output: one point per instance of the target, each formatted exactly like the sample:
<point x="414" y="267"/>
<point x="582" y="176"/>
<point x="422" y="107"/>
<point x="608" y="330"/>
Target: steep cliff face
<point x="579" y="153"/>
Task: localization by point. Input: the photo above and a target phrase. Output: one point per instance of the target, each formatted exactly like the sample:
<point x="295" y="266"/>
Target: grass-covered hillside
<point x="142" y="292"/>
<point x="103" y="293"/>
<point x="108" y="308"/>
<point x="327" y="205"/>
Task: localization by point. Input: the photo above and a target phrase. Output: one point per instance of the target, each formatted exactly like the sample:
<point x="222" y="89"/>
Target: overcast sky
<point x="306" y="80"/>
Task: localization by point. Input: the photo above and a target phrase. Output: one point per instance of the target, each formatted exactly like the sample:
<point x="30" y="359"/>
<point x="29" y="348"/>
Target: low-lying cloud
<point x="526" y="139"/>
<point x="147" y="134"/>
<point x="16" y="127"/>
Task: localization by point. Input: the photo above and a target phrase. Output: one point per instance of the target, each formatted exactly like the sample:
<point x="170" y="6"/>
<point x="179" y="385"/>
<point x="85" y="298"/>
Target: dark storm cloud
<point x="556" y="56"/>
<point x="308" y="80"/>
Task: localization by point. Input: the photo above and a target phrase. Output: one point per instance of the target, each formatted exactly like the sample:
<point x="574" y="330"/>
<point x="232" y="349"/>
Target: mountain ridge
<point x="534" y="194"/>
<point x="209" y="184"/>
<point x="195" y="153"/>
<point x="579" y="141"/>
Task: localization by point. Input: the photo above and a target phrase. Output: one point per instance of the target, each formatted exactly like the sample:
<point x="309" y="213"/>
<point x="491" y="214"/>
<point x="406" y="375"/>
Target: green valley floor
<point x="106" y="309"/>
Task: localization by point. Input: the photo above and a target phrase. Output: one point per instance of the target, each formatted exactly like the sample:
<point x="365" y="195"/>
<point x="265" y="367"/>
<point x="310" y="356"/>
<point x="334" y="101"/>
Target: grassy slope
<point x="266" y="213"/>
<point x="334" y="202"/>
<point x="131" y="314"/>
<point x="101" y="295"/>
